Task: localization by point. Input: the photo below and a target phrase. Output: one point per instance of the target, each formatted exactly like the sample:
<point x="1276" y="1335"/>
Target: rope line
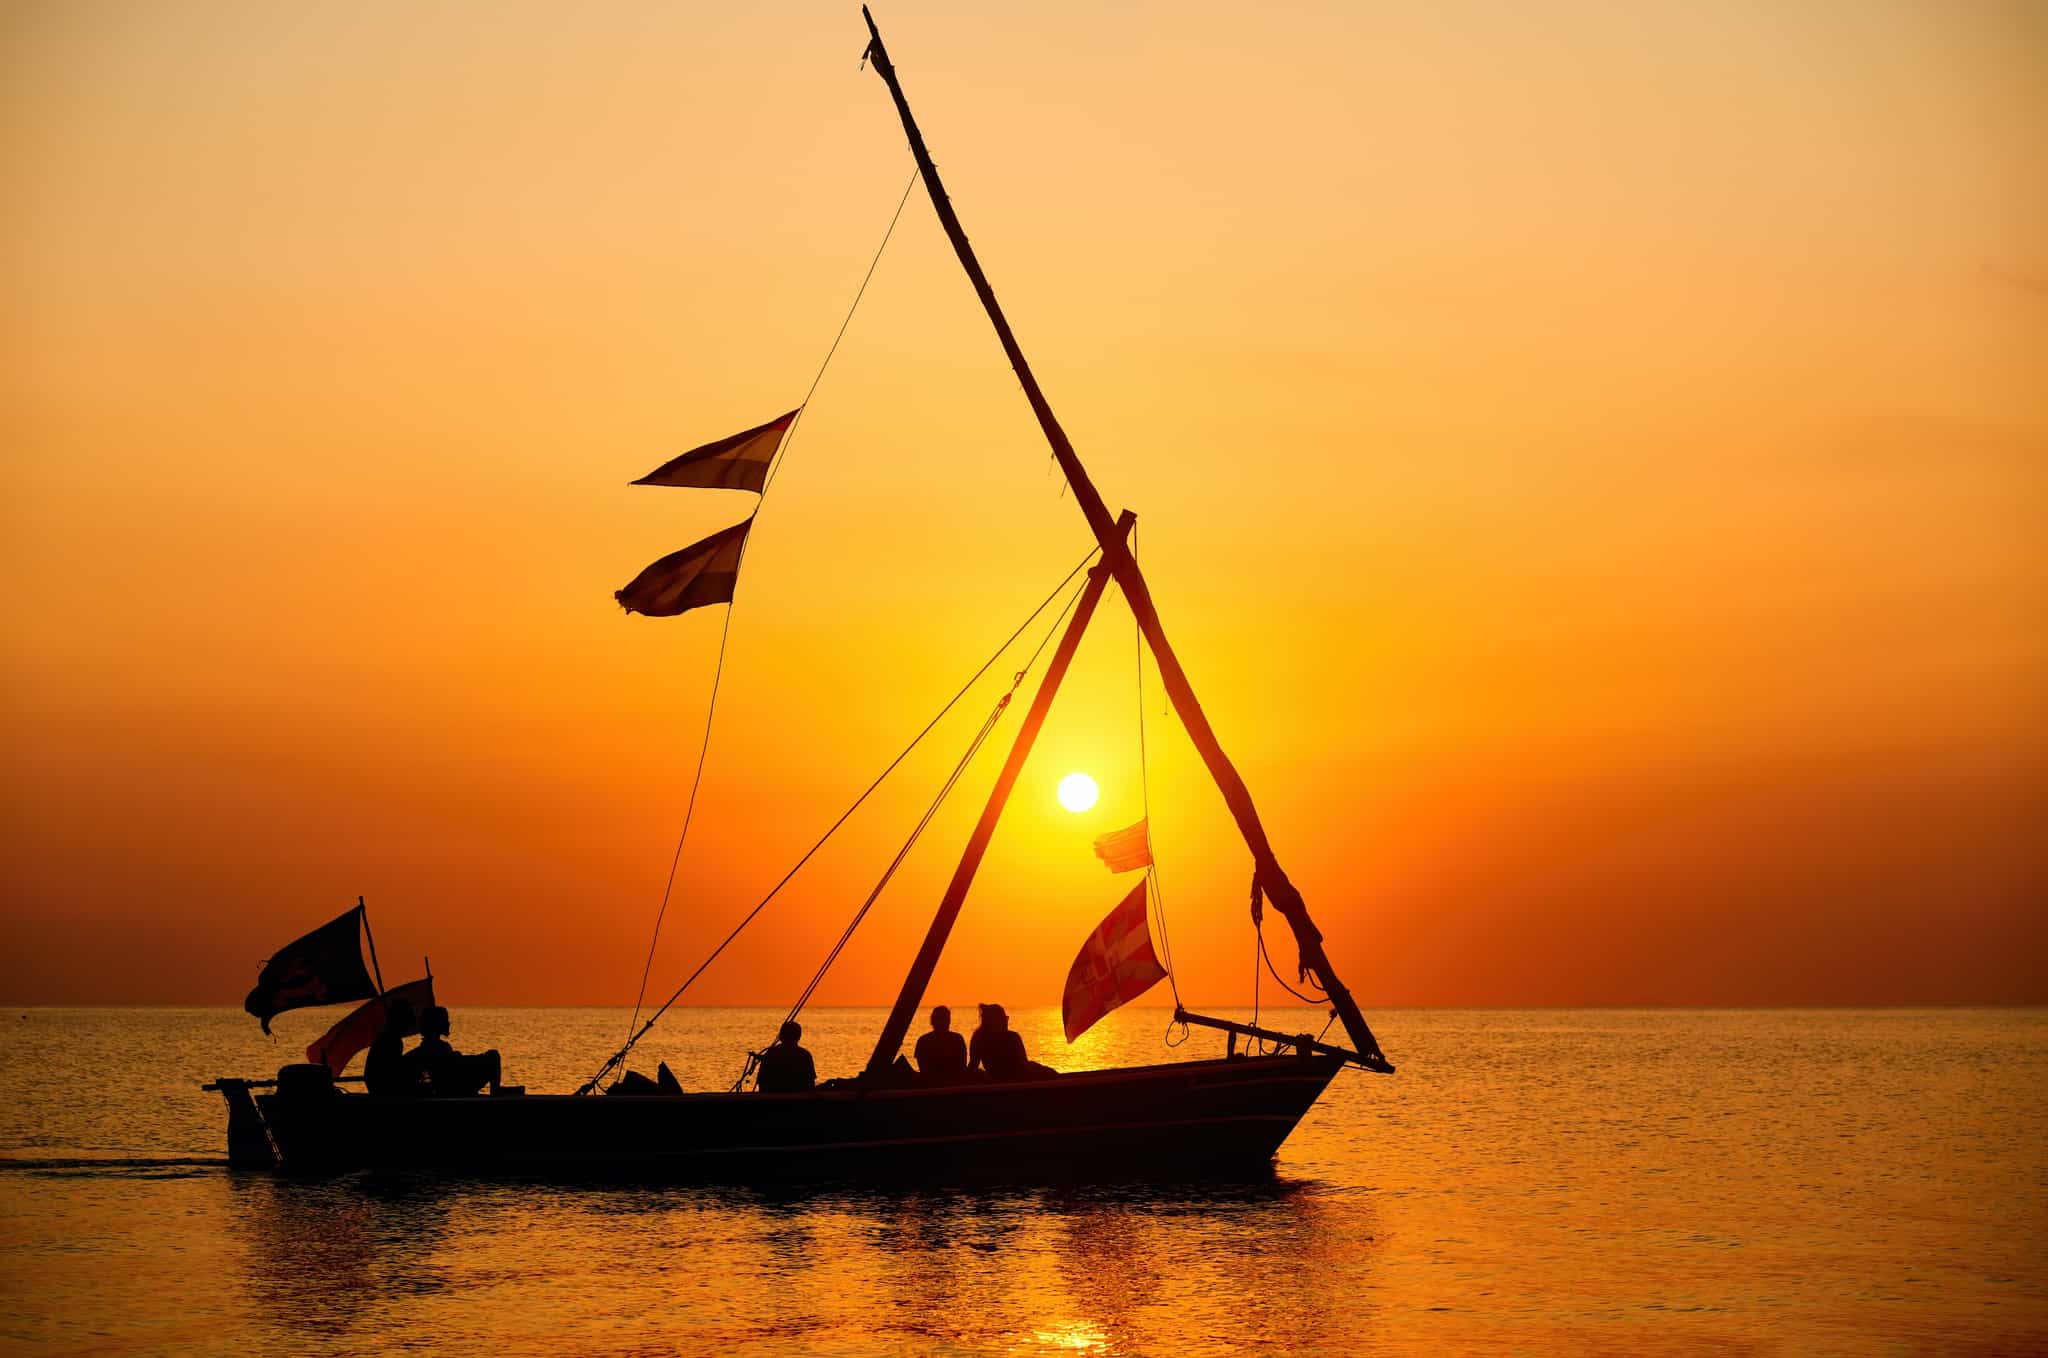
<point x="1258" y="947"/>
<point x="725" y="631"/>
<point x="981" y="736"/>
<point x="846" y="936"/>
<point x="859" y="293"/>
<point x="619" y="1056"/>
<point x="689" y="809"/>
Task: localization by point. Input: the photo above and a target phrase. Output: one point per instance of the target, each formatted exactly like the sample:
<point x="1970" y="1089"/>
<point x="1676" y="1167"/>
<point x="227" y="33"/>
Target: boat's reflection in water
<point x="318" y="1252"/>
<point x="1139" y="1267"/>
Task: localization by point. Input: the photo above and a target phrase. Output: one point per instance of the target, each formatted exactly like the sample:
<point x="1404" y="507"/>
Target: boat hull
<point x="1187" y="1118"/>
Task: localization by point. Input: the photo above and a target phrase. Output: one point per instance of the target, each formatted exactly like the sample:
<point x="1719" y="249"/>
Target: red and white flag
<point x="338" y="1045"/>
<point x="1126" y="849"/>
<point x="1115" y="966"/>
<point x="739" y="462"/>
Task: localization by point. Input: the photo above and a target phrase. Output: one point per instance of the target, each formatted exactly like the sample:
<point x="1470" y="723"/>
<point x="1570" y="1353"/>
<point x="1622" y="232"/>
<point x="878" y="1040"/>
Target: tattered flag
<point x="702" y="573"/>
<point x="1126" y="849"/>
<point x="323" y="967"/>
<point x="739" y="462"/>
<point x="338" y="1045"/>
<point x="1115" y="966"/>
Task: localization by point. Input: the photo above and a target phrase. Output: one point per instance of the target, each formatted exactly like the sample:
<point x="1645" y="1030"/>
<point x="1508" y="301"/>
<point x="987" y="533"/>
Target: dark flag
<point x="339" y="1045"/>
<point x="702" y="573"/>
<point x="737" y="463"/>
<point x="1115" y="966"/>
<point x="324" y="967"/>
<point x="1126" y="849"/>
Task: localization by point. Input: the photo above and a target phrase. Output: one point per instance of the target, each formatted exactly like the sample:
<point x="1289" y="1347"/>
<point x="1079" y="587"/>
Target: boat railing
<point x="1301" y="1042"/>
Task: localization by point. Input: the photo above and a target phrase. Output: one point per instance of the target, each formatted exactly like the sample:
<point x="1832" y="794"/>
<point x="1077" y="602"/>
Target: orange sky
<point x="1591" y="458"/>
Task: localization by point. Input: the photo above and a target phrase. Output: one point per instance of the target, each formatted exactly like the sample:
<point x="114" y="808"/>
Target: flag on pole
<point x="339" y="1045"/>
<point x="702" y="573"/>
<point x="1115" y="966"/>
<point x="737" y="463"/>
<point x="324" y="967"/>
<point x="1126" y="849"/>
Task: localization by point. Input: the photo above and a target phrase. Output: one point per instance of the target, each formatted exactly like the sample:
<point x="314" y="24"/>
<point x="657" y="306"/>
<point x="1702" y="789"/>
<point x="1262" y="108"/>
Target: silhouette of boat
<point x="1184" y="1119"/>
<point x="1202" y="1117"/>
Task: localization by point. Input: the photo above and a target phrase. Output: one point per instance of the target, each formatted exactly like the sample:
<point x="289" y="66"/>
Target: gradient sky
<point x="1591" y="457"/>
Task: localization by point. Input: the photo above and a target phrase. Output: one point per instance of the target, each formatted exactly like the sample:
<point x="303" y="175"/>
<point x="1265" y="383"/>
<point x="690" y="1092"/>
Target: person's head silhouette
<point x="434" y="1023"/>
<point x="792" y="1033"/>
<point x="942" y="1019"/>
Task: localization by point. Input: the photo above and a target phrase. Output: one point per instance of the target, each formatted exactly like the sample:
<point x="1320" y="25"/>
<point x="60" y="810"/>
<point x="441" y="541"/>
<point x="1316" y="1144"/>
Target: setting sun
<point x="1077" y="792"/>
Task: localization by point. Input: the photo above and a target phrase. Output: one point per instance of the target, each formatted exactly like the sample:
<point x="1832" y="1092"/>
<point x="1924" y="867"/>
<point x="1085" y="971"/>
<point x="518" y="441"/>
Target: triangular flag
<point x="702" y="573"/>
<point x="736" y="463"/>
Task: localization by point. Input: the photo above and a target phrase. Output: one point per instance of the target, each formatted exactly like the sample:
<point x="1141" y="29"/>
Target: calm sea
<point x="1776" y="1182"/>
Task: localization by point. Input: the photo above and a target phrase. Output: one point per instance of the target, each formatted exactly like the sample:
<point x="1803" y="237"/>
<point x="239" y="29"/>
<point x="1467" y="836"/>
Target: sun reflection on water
<point x="1073" y="1336"/>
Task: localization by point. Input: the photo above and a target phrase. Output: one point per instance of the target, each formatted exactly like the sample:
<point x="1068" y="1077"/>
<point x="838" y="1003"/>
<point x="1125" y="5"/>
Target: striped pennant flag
<point x="739" y="462"/>
<point x="1126" y="849"/>
<point x="700" y="574"/>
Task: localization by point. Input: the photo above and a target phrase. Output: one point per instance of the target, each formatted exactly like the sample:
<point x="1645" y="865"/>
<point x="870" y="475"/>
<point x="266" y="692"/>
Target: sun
<point x="1077" y="792"/>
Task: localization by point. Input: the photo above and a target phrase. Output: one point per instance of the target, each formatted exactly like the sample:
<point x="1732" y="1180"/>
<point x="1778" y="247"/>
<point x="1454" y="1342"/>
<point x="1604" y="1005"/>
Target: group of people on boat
<point x="942" y="1057"/>
<point x="996" y="1053"/>
<point x="434" y="1066"/>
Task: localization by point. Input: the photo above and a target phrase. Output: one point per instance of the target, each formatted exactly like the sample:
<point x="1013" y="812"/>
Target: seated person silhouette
<point x="385" y="1069"/>
<point x="996" y="1051"/>
<point x="446" y="1069"/>
<point x="941" y="1054"/>
<point x="786" y="1067"/>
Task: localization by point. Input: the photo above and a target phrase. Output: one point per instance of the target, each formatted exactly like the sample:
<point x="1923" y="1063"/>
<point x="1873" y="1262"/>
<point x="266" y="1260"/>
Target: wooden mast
<point x="1268" y="876"/>
<point x="912" y="994"/>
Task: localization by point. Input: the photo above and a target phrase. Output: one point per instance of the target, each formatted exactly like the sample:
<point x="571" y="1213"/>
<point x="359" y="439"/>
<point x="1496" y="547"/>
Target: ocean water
<point x="1768" y="1182"/>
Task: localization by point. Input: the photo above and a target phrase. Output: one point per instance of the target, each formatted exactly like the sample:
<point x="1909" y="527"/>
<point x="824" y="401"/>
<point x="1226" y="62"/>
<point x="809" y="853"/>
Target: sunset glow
<point x="1590" y="462"/>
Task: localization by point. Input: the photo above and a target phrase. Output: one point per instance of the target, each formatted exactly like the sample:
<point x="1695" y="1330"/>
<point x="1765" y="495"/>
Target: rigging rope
<point x="725" y="630"/>
<point x="981" y="736"/>
<point x="917" y="831"/>
<point x="846" y="935"/>
<point x="859" y="293"/>
<point x="689" y="808"/>
<point x="618" y="1057"/>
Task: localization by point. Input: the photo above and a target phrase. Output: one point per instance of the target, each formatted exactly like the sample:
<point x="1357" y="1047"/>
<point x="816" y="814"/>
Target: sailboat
<point x="1224" y="1115"/>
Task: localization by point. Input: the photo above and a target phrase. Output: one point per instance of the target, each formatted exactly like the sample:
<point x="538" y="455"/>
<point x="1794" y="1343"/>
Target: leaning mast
<point x="1268" y="877"/>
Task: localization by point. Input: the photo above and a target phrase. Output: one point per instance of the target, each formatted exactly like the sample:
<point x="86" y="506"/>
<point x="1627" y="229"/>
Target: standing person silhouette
<point x="941" y="1054"/>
